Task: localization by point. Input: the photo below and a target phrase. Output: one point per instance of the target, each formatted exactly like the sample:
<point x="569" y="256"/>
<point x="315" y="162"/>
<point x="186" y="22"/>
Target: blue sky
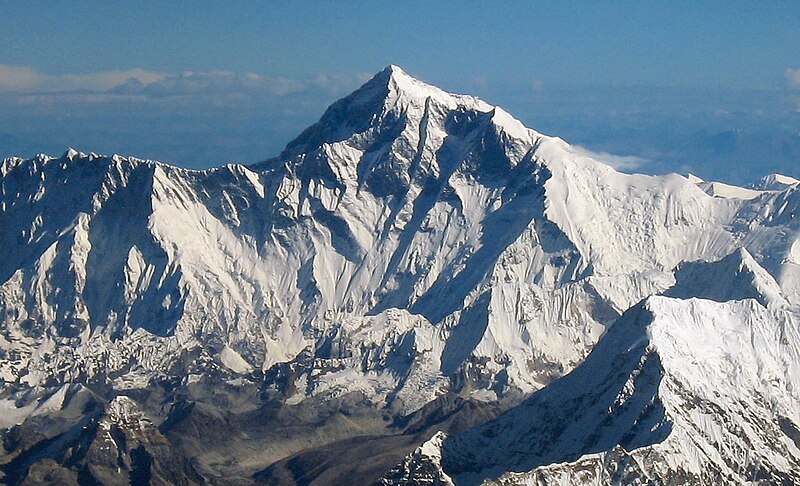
<point x="677" y="85"/>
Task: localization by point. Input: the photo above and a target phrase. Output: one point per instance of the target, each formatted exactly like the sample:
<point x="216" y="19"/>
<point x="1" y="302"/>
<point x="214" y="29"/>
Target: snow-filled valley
<point x="473" y="300"/>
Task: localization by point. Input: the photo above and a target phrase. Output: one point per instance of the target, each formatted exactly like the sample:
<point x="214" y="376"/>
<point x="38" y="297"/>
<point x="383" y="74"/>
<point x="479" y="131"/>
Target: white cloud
<point x="103" y="81"/>
<point x="793" y="77"/>
<point x="18" y="78"/>
<point x="619" y="162"/>
<point x="152" y="85"/>
<point x="478" y="82"/>
<point x="213" y="82"/>
<point x="28" y="80"/>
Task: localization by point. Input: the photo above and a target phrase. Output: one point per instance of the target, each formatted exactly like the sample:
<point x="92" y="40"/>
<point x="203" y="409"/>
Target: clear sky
<point x="236" y="80"/>
<point x="684" y="43"/>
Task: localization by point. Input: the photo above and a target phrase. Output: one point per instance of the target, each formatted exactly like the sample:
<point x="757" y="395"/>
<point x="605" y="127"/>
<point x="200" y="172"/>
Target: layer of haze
<point x="706" y="87"/>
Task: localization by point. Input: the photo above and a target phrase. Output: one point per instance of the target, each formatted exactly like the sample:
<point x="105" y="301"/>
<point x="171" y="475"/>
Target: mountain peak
<point x="390" y="96"/>
<point x="394" y="71"/>
<point x="737" y="276"/>
<point x="404" y="88"/>
<point x="395" y="77"/>
<point x="71" y="153"/>
<point x="776" y="182"/>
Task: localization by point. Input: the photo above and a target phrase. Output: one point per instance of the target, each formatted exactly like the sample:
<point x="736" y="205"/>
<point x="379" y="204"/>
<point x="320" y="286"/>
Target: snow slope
<point x="678" y="392"/>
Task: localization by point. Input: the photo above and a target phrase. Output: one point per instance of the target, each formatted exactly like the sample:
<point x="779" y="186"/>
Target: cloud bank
<point x="153" y="85"/>
<point x="793" y="77"/>
<point x="620" y="162"/>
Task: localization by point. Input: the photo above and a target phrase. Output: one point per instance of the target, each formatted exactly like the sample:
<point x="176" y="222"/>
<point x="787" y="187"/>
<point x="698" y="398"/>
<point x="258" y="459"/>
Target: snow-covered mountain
<point x="411" y="244"/>
<point x="677" y="392"/>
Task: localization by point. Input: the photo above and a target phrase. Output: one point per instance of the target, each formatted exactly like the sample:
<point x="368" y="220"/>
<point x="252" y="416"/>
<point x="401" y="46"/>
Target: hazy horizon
<point x="712" y="89"/>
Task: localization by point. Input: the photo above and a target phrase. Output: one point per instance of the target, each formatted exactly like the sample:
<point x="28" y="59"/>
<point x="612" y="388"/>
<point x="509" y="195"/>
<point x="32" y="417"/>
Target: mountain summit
<point x="414" y="262"/>
<point x="388" y="131"/>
